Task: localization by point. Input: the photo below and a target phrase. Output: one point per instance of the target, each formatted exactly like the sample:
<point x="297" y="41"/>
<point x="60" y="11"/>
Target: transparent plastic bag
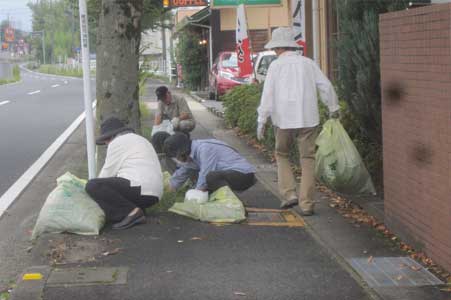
<point x="196" y="196"/>
<point x="68" y="208"/>
<point x="165" y="126"/>
<point x="223" y="206"/>
<point x="338" y="163"/>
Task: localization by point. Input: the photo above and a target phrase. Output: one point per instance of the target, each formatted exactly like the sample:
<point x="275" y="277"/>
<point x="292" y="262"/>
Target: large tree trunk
<point x="118" y="40"/>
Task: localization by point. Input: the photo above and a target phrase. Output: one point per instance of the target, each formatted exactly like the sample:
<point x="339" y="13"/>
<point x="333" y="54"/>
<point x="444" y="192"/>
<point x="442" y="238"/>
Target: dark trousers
<point x="117" y="198"/>
<point x="237" y="181"/>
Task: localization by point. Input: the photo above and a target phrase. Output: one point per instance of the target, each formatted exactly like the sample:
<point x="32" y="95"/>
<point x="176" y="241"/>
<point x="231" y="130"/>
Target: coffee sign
<point x="184" y="3"/>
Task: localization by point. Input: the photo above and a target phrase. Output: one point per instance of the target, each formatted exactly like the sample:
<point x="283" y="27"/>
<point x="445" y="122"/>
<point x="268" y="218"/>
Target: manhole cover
<point x="393" y="271"/>
<point x="273" y="217"/>
<point x="87" y="276"/>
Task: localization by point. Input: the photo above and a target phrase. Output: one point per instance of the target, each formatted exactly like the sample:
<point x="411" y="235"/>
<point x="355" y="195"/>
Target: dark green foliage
<point x="191" y="56"/>
<point x="359" y="75"/>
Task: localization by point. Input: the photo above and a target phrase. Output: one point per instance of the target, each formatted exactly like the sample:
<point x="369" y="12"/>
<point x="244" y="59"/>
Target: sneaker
<point x="289" y="203"/>
<point x="129" y="221"/>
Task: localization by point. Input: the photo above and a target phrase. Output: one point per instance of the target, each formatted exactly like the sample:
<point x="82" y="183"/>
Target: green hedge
<point x="56" y="70"/>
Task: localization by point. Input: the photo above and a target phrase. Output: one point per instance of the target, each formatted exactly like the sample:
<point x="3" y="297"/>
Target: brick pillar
<point x="416" y="116"/>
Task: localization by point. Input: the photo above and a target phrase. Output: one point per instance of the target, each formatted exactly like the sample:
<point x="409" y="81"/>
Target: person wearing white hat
<point x="290" y="99"/>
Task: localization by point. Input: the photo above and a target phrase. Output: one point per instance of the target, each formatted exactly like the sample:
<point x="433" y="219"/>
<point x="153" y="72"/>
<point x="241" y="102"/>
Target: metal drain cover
<point x="393" y="271"/>
<point x="273" y="217"/>
<point x="87" y="277"/>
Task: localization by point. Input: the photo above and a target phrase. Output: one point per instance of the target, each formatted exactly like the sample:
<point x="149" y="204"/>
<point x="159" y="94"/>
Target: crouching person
<point x="216" y="163"/>
<point x="130" y="180"/>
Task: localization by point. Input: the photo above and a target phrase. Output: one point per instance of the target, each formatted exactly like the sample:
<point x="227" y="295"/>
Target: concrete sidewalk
<point x="172" y="257"/>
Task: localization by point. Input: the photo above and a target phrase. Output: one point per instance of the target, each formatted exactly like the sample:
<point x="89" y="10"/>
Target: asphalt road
<point x="33" y="113"/>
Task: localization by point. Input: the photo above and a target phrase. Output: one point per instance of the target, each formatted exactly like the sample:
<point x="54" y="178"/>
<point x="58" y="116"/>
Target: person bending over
<point x="130" y="180"/>
<point x="216" y="164"/>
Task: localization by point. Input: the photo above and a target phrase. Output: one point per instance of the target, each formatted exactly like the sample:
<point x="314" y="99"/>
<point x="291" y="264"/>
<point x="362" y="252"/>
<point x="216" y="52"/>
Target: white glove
<point x="175" y="122"/>
<point x="260" y="131"/>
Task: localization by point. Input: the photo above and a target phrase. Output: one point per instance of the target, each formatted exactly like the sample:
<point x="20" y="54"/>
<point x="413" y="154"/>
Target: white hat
<point x="282" y="37"/>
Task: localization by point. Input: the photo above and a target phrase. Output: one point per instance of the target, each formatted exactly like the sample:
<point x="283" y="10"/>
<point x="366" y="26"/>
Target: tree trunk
<point x="118" y="40"/>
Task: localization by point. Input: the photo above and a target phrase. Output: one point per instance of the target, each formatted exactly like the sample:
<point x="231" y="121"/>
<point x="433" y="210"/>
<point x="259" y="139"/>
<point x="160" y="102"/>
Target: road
<point x="33" y="113"/>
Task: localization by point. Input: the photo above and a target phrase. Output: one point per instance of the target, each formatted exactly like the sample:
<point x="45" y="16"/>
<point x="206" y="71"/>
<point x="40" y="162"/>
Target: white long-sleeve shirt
<point x="132" y="157"/>
<point x="290" y="92"/>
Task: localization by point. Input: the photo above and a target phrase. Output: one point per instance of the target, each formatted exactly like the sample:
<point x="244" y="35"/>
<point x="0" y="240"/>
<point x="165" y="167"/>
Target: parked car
<point x="261" y="64"/>
<point x="225" y="75"/>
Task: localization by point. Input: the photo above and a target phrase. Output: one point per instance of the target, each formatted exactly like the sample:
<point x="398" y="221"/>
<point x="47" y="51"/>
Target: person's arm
<point x="265" y="108"/>
<point x="113" y="161"/>
<point x="208" y="161"/>
<point x="326" y="90"/>
<point x="180" y="176"/>
<point x="158" y="114"/>
<point x="184" y="110"/>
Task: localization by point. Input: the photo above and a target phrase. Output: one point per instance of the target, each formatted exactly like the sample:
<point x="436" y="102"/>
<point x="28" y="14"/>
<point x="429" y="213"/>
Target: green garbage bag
<point x="338" y="163"/>
<point x="68" y="208"/>
<point x="223" y="206"/>
<point x="169" y="197"/>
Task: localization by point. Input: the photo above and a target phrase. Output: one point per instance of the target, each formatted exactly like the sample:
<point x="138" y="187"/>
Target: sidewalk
<point x="172" y="257"/>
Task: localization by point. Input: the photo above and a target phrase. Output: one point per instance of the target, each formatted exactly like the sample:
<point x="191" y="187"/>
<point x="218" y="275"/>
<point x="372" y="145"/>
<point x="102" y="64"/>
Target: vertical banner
<point x="242" y="43"/>
<point x="298" y="13"/>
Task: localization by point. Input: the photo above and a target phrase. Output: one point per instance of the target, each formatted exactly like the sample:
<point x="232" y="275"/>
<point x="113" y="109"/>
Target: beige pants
<point x="305" y="138"/>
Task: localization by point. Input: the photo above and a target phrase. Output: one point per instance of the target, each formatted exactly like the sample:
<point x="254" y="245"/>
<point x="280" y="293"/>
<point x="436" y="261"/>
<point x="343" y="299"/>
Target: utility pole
<point x="163" y="36"/>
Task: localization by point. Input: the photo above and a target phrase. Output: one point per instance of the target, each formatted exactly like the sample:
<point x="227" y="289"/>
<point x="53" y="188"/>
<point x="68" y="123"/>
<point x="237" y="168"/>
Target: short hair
<point x="161" y="92"/>
<point x="177" y="145"/>
<point x="158" y="140"/>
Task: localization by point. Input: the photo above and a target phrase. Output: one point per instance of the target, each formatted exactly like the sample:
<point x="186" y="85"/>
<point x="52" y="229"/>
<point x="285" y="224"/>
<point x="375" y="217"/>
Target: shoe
<point x="289" y="203"/>
<point x="129" y="221"/>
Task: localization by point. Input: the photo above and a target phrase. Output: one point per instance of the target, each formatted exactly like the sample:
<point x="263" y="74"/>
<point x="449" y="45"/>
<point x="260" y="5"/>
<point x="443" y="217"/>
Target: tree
<point x="118" y="41"/>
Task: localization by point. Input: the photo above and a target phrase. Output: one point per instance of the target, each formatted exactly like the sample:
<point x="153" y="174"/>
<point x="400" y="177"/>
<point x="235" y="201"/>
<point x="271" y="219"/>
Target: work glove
<point x="334" y="114"/>
<point x="260" y="131"/>
<point x="175" y="123"/>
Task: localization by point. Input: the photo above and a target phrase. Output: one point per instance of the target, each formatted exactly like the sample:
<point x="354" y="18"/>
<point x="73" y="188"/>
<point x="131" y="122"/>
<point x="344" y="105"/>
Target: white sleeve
<point x="265" y="108"/>
<point x="326" y="90"/>
<point x="113" y="161"/>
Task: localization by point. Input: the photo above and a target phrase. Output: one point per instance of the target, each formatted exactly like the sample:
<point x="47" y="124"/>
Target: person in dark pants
<point x="216" y="163"/>
<point x="130" y="180"/>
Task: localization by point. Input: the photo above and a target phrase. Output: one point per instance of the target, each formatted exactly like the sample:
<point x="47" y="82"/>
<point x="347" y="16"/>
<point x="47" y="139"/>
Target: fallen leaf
<point x="415" y="268"/>
<point x="180" y="241"/>
<point x="370" y="259"/>
<point x="399" y="277"/>
<point x="239" y="293"/>
<point x="196" y="238"/>
<point x="112" y="252"/>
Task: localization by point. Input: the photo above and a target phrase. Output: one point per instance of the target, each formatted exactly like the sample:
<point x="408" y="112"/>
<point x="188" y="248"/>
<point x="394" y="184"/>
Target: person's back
<point x="140" y="163"/>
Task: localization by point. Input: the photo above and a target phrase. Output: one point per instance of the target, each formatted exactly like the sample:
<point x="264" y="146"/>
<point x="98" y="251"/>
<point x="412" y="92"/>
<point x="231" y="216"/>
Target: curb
<point x="48" y="74"/>
<point x="215" y="111"/>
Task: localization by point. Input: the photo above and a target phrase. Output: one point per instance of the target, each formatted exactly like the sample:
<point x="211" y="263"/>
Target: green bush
<point x="56" y="70"/>
<point x="15" y="77"/>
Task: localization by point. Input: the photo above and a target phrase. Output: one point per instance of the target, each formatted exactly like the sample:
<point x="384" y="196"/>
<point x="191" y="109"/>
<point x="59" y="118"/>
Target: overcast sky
<point x="18" y="12"/>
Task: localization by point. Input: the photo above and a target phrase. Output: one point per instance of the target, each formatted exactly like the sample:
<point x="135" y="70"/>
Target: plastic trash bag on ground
<point x="69" y="208"/>
<point x="165" y="126"/>
<point x="338" y="163"/>
<point x="223" y="206"/>
<point x="196" y="196"/>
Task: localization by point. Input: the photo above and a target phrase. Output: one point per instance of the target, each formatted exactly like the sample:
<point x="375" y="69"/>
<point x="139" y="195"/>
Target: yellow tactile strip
<point x="273" y="217"/>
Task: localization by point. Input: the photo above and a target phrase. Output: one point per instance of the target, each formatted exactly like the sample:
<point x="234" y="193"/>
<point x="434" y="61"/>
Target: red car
<point x="224" y="75"/>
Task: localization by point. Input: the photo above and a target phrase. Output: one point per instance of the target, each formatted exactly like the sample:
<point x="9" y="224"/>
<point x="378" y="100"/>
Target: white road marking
<point x="4" y="102"/>
<point x="55" y="85"/>
<point x="66" y="82"/>
<point x="16" y="189"/>
<point x="35" y="92"/>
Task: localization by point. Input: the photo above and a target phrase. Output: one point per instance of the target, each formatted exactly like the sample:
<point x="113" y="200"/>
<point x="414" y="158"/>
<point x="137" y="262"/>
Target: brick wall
<point x="416" y="113"/>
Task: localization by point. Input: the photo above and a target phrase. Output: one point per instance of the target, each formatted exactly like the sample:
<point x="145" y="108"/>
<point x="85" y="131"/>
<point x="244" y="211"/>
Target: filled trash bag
<point x="338" y="163"/>
<point x="69" y="208"/>
<point x="165" y="126"/>
<point x="223" y="206"/>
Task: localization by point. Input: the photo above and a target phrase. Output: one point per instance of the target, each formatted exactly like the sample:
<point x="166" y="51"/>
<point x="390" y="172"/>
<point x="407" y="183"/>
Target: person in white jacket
<point x="290" y="99"/>
<point x="130" y="180"/>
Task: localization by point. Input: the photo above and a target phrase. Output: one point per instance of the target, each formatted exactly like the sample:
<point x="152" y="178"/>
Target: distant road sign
<point x="9" y="34"/>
